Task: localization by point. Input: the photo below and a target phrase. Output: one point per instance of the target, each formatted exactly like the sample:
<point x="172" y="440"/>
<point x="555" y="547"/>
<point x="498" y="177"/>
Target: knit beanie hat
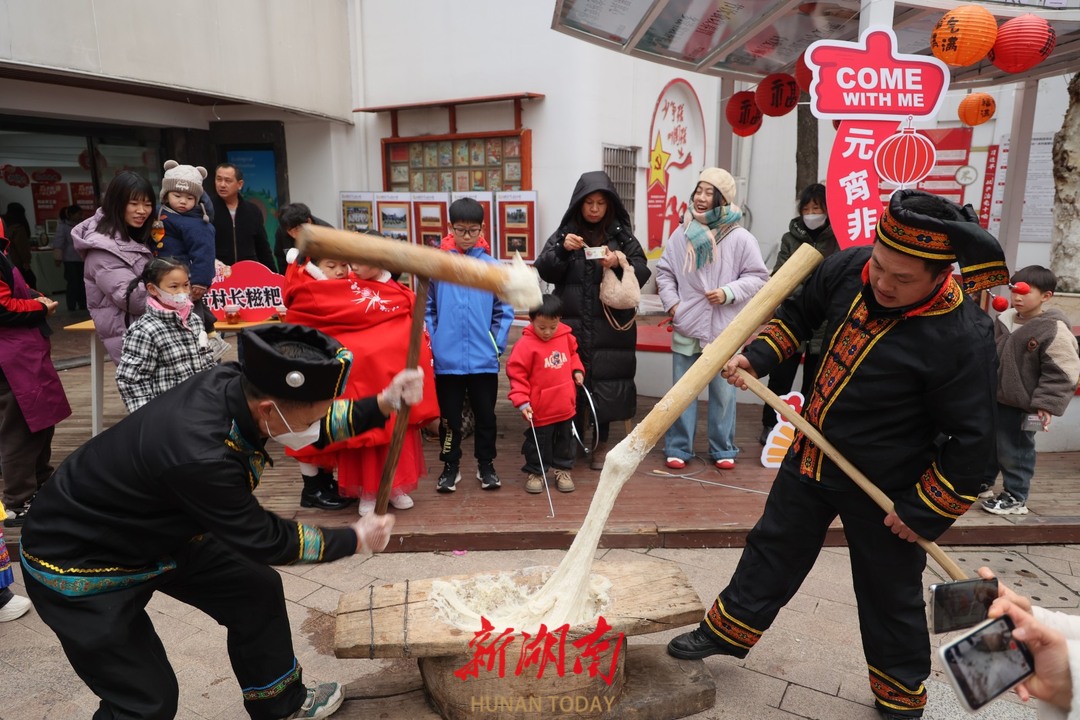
<point x="721" y="180"/>
<point x="183" y="179"/>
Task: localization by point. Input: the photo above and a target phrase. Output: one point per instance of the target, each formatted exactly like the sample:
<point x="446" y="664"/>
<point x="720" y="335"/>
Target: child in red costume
<point x="369" y="313"/>
<point x="543" y="368"/>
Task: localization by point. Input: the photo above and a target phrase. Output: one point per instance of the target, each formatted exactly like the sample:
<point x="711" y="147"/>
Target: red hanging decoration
<point x="905" y="158"/>
<point x="777" y="95"/>
<point x="803" y="74"/>
<point x="742" y="113"/>
<point x="976" y="108"/>
<point x="1022" y="43"/>
<point x="964" y="35"/>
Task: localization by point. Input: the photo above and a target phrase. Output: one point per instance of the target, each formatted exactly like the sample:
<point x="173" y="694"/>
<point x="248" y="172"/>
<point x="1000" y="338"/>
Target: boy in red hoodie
<point x="543" y="368"/>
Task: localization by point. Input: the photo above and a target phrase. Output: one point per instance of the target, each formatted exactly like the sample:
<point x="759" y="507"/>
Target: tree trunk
<point x="806" y="147"/>
<point x="1065" y="240"/>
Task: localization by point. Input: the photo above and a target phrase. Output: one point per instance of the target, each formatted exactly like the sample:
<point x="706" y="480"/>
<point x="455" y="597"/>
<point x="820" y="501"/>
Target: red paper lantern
<point x="964" y="35"/>
<point x="803" y="75"/>
<point x="1022" y="43"/>
<point x="742" y="113"/>
<point x="777" y="95"/>
<point x="976" y="108"/>
<point x="905" y="158"/>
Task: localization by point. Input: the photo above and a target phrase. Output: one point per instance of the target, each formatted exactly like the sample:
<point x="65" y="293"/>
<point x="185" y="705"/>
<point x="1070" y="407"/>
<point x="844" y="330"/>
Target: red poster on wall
<point x="429" y="217"/>
<point x="48" y="199"/>
<point x="82" y="194"/>
<point x="515" y="213"/>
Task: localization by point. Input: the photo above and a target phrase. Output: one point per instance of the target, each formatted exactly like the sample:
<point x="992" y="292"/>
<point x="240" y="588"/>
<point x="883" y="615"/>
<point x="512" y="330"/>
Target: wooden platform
<point x="709" y="509"/>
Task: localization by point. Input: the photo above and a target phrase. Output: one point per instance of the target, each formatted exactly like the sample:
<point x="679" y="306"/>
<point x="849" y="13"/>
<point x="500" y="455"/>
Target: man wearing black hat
<point x="910" y="359"/>
<point x="163" y="501"/>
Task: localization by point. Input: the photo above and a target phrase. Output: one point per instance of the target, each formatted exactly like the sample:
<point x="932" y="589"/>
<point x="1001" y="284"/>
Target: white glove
<point x="407" y="387"/>
<point x="373" y="532"/>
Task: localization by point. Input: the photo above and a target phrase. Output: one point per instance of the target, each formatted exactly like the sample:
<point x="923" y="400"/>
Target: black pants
<point x="110" y="640"/>
<point x="75" y="294"/>
<point x="556" y="448"/>
<point x="483" y="389"/>
<point x="24" y="455"/>
<point x="203" y="311"/>
<point x="886" y="573"/>
<point x="782" y="378"/>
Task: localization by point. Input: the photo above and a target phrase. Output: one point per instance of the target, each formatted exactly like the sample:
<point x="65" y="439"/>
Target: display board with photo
<point x="356" y="215"/>
<point x="429" y="211"/>
<point x="515" y="214"/>
<point x="477" y="162"/>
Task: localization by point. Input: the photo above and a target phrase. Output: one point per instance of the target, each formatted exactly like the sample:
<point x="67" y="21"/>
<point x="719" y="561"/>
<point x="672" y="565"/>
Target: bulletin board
<point x="491" y="161"/>
<point x="356" y="211"/>
<point x="429" y="212"/>
<point x="487" y="201"/>
<point x="515" y="213"/>
<point x="393" y="215"/>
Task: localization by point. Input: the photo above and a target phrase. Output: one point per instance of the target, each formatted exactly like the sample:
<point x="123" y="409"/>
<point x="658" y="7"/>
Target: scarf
<point x="158" y="305"/>
<point x="704" y="231"/>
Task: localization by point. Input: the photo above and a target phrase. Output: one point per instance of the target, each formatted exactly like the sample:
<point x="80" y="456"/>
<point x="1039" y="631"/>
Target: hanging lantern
<point x="976" y="108"/>
<point x="1022" y="43"/>
<point x="803" y="75"/>
<point x="777" y="95"/>
<point x="742" y="113"/>
<point x="905" y="158"/>
<point x="964" y="35"/>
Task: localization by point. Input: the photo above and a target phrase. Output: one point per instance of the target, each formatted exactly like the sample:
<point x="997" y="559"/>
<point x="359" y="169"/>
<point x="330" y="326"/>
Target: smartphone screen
<point x="961" y="604"/>
<point x="986" y="662"/>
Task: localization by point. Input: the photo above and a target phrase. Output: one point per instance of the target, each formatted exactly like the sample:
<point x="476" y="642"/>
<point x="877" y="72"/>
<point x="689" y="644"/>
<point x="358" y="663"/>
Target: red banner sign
<point x="249" y="286"/>
<point x="48" y="199"/>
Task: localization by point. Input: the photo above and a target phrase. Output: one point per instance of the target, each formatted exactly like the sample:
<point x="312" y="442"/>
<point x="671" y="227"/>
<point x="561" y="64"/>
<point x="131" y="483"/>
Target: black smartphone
<point x="986" y="662"/>
<point x="961" y="604"/>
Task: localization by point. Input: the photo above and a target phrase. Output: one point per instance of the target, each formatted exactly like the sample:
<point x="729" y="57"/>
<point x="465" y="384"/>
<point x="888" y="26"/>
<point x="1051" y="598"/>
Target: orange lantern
<point x="1022" y="43"/>
<point x="964" y="35"/>
<point x="742" y="113"/>
<point x="803" y="75"/>
<point x="976" y="108"/>
<point x="777" y="95"/>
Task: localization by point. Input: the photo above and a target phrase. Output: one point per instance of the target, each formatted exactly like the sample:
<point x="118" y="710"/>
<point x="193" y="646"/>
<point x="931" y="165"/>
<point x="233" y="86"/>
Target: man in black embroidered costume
<point x="910" y="358"/>
<point x="163" y="501"/>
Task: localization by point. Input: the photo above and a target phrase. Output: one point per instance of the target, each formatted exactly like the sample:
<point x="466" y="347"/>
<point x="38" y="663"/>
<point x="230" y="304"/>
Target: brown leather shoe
<point x="596" y="462"/>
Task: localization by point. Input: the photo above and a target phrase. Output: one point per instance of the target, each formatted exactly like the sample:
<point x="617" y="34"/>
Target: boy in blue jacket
<point x="468" y="329"/>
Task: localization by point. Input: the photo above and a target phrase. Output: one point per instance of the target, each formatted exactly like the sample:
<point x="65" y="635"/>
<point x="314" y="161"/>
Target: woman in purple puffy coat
<point x="113" y="244"/>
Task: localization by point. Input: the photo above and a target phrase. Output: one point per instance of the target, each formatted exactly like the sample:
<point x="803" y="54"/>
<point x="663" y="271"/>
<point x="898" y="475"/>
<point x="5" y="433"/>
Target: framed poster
<point x="429" y="217"/>
<point x="474" y="162"/>
<point x="515" y="212"/>
<point x="356" y="211"/>
<point x="392" y="213"/>
<point x="487" y="201"/>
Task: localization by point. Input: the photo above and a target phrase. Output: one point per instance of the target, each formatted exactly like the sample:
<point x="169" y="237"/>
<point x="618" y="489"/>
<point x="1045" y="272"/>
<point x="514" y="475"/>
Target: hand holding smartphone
<point x="960" y="604"/>
<point x="986" y="662"/>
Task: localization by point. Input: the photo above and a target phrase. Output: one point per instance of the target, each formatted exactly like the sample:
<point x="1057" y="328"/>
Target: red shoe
<point x="675" y="463"/>
<point x="725" y="464"/>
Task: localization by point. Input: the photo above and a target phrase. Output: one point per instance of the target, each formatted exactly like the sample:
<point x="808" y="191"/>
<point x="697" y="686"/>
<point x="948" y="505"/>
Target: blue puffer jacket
<point x="189" y="237"/>
<point x="468" y="327"/>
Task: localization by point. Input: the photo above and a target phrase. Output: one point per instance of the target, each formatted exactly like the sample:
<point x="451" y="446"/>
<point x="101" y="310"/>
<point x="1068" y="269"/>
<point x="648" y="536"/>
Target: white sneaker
<point x="401" y="501"/>
<point x="367" y="507"/>
<point x="16" y="607"/>
<point x="986" y="494"/>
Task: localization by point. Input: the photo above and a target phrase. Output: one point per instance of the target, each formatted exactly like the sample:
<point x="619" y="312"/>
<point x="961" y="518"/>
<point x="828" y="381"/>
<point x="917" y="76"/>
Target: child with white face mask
<point x="167" y="344"/>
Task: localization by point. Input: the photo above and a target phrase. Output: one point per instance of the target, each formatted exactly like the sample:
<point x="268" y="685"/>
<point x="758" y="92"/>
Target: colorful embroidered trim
<point x="79" y="585"/>
<point x="5" y="558"/>
<point x="940" y="496"/>
<point x="344" y="357"/>
<point x="914" y="241"/>
<point x="985" y="276"/>
<point x="276" y="687"/>
<point x="780" y="338"/>
<point x="255" y="457"/>
<point x="729" y="629"/>
<point x="851" y="343"/>
<point x="311" y="543"/>
<point x="338" y="423"/>
<point x="892" y="694"/>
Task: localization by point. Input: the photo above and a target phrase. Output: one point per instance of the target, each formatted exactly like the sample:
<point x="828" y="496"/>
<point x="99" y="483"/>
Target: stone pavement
<point x="809" y="665"/>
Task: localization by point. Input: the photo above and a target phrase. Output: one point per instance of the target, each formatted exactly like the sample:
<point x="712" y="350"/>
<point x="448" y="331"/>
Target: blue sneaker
<point x="322" y="701"/>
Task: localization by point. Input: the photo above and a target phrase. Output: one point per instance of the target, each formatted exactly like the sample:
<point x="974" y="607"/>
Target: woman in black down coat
<point x="596" y="217"/>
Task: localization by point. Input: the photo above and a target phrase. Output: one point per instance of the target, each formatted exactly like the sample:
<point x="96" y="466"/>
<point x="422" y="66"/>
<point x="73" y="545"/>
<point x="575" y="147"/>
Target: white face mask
<point x="292" y="439"/>
<point x="814" y="221"/>
<point x="179" y="301"/>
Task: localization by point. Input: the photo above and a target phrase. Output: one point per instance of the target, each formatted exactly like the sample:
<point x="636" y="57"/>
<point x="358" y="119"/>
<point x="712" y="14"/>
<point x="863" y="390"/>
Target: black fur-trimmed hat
<point x="290" y="378"/>
<point x="963" y="240"/>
